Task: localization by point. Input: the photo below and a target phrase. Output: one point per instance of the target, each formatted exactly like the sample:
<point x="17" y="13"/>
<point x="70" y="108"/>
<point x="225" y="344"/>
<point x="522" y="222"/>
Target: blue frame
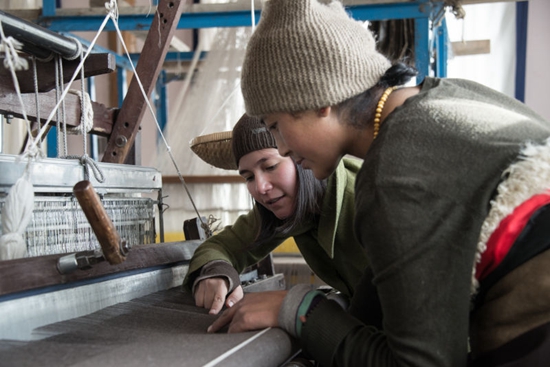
<point x="422" y="11"/>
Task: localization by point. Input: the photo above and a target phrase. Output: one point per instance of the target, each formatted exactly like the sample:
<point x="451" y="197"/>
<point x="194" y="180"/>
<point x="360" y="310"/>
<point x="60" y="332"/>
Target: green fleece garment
<point x="329" y="246"/>
<point x="422" y="195"/>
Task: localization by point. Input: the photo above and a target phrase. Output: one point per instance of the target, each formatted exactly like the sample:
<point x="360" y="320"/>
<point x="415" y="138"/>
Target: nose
<point x="284" y="151"/>
<point x="263" y="185"/>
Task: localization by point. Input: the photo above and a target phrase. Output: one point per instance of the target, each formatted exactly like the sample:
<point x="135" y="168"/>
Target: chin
<point x="320" y="174"/>
<point x="282" y="217"/>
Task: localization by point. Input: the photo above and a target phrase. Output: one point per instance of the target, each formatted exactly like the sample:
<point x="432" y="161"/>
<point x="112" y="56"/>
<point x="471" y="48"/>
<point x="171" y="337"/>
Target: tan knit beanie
<point x="249" y="135"/>
<point x="306" y="55"/>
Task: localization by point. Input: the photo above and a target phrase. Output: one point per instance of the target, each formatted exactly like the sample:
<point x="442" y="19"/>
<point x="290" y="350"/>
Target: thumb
<point x="235" y="296"/>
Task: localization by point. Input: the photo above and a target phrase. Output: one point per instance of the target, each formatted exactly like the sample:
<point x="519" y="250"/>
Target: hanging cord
<point x="113" y="12"/>
<point x="85" y="113"/>
<point x="86" y="124"/>
<point x="88" y="163"/>
<point x="13" y="62"/>
<point x="86" y="116"/>
<point x="36" y="95"/>
<point x="57" y="112"/>
<point x="60" y="112"/>
<point x="78" y="70"/>
<point x="63" y="111"/>
<point x="253" y="18"/>
<point x="252" y="15"/>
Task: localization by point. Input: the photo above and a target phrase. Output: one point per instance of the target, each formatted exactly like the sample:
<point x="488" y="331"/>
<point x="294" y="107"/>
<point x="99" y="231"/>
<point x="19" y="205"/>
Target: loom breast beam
<point x="113" y="248"/>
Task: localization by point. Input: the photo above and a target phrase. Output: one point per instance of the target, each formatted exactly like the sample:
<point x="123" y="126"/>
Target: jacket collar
<point x="332" y="205"/>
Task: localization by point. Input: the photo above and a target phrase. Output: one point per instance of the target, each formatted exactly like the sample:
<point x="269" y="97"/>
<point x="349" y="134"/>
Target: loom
<point x="104" y="312"/>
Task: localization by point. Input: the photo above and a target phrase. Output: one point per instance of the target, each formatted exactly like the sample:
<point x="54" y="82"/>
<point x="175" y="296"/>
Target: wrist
<point x="310" y="301"/>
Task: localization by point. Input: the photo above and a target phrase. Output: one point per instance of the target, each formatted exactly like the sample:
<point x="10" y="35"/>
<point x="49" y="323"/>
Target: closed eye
<point x="273" y="126"/>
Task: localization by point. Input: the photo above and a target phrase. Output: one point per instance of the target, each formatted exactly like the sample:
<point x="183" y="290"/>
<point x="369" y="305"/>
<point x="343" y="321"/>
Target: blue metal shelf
<point x="424" y="12"/>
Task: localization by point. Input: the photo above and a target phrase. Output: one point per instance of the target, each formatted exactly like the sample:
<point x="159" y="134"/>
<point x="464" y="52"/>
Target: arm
<point x="216" y="279"/>
<point x="422" y="277"/>
<point x="422" y="263"/>
<point x="216" y="264"/>
<point x="231" y="245"/>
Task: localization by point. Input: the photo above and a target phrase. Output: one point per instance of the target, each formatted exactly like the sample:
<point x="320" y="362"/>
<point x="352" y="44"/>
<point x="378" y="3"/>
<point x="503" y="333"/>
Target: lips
<point x="273" y="201"/>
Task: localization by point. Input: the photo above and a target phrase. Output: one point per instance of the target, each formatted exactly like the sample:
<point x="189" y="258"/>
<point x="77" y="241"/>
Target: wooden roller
<point x="100" y="222"/>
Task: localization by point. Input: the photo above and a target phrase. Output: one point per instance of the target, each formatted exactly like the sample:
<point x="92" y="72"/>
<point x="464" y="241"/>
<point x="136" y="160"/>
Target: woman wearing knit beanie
<point x="288" y="203"/>
<point x="452" y="200"/>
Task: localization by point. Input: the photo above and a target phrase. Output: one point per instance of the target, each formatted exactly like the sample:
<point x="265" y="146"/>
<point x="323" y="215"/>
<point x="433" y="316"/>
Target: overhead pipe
<point x="37" y="40"/>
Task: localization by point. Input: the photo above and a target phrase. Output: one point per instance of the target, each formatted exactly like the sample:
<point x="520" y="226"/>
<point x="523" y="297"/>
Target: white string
<point x="113" y="14"/>
<point x="168" y="148"/>
<point x="86" y="115"/>
<point x="57" y="112"/>
<point x="252" y="15"/>
<point x="36" y="93"/>
<point x="187" y="81"/>
<point x="235" y="349"/>
<point x="13" y="62"/>
<point x="222" y="106"/>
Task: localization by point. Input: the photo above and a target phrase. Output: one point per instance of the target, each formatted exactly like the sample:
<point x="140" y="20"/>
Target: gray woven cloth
<point x="161" y="329"/>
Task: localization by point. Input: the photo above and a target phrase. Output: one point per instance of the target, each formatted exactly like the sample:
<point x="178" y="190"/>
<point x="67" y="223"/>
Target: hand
<point x="210" y="293"/>
<point x="256" y="311"/>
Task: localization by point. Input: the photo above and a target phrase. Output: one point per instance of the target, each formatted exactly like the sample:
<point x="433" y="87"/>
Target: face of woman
<point x="271" y="180"/>
<point x="313" y="139"/>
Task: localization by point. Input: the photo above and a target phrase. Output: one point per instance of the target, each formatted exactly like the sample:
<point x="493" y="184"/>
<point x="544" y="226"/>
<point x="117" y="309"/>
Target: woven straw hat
<point x="215" y="149"/>
<point x="225" y="149"/>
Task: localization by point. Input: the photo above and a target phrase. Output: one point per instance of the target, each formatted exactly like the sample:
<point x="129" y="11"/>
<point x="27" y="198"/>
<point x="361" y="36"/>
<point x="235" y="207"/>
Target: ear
<point x="324" y="111"/>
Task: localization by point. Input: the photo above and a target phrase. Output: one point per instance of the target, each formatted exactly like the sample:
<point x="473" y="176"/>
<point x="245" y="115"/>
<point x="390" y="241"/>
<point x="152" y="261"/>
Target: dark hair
<point x="309" y="196"/>
<point x="359" y="110"/>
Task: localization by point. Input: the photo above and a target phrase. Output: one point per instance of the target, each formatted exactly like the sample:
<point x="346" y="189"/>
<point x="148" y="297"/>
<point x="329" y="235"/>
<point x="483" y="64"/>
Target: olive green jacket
<point x="329" y="246"/>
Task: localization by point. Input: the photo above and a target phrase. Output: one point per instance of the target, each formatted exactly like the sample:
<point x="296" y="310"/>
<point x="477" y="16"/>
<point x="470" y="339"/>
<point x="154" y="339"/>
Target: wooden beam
<point x="38" y="272"/>
<point x="10" y="105"/>
<point x="478" y="47"/>
<point x="95" y="64"/>
<point x="148" y="68"/>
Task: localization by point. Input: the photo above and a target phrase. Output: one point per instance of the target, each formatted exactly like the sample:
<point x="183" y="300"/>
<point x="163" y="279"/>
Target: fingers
<point x="199" y="294"/>
<point x="235" y="296"/>
<point x="217" y="302"/>
<point x="221" y="321"/>
<point x="210" y="293"/>
<point x="255" y="311"/>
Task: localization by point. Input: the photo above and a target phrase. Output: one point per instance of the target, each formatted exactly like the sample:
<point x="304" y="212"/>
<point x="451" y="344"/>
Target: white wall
<point x="497" y="22"/>
<point x="494" y="22"/>
<point x="537" y="79"/>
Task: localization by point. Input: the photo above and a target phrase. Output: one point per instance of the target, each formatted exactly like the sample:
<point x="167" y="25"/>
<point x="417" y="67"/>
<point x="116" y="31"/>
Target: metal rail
<point x="37" y="40"/>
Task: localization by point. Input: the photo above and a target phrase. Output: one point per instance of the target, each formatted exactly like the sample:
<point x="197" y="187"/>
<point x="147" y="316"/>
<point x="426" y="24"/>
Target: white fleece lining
<point x="528" y="176"/>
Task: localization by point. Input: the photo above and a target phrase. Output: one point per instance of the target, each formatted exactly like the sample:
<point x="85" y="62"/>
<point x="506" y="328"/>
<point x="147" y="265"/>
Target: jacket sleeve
<point x="232" y="245"/>
<point x="218" y="269"/>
